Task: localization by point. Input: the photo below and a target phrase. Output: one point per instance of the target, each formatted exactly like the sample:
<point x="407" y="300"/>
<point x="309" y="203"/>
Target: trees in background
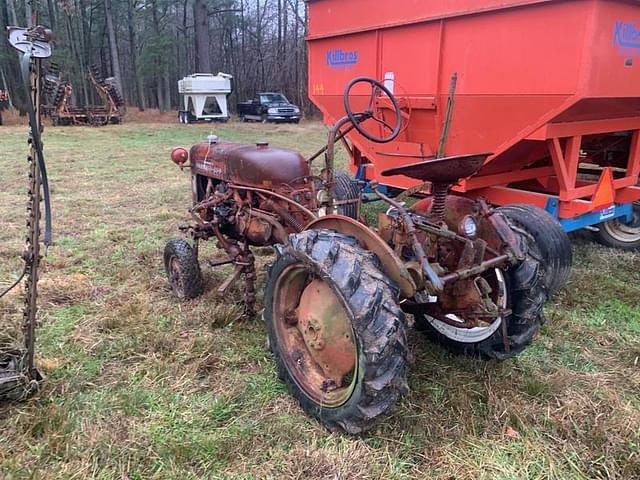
<point x="148" y="45"/>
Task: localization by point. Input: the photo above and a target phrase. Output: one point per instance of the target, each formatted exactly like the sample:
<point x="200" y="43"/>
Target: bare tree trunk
<point x="167" y="88"/>
<point x="201" y="21"/>
<point x="186" y="66"/>
<point x="11" y="8"/>
<point x="52" y="15"/>
<point x="81" y="48"/>
<point x="28" y="13"/>
<point x="297" y="53"/>
<point x="142" y="104"/>
<point x="113" y="45"/>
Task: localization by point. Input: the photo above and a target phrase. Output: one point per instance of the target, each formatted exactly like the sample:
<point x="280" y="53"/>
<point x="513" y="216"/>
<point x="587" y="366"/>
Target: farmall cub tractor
<point x="474" y="278"/>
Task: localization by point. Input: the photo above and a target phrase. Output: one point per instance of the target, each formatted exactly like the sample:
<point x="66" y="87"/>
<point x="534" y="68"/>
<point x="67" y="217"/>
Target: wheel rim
<point x="475" y="334"/>
<point x="175" y="277"/>
<point x="315" y="337"/>
<point x="625" y="232"/>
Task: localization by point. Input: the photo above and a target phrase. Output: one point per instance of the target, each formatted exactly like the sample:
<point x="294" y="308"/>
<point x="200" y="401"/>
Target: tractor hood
<point x="258" y="165"/>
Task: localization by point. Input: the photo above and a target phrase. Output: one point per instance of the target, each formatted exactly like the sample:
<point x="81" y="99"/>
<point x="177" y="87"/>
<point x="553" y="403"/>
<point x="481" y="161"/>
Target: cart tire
<point x="363" y="295"/>
<point x="550" y="240"/>
<point x="345" y="189"/>
<point x="615" y="235"/>
<point x="183" y="270"/>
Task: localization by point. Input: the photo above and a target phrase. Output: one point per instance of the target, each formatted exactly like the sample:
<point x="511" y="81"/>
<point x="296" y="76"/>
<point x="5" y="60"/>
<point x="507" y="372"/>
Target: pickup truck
<point x="269" y="107"/>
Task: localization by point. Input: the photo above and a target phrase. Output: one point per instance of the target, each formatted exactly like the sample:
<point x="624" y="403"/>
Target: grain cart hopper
<point x="204" y="97"/>
<point x="551" y="88"/>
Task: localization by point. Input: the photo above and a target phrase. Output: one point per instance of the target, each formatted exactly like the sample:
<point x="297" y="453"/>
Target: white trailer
<point x="204" y="97"/>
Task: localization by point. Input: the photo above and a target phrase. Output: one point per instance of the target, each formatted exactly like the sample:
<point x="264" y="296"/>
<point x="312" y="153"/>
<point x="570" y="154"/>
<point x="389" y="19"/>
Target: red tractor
<point x="475" y="278"/>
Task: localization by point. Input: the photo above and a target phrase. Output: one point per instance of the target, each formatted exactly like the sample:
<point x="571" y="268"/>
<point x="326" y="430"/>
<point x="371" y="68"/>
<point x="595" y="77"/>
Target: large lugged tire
<point x="616" y="234"/>
<point x="328" y="309"/>
<point x="526" y="287"/>
<point x="183" y="270"/>
<point x="346" y="189"/>
<point x="551" y="242"/>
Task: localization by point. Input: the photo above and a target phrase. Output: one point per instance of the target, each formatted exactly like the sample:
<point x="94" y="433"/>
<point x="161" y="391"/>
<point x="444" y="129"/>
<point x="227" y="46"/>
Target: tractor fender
<point x="391" y="264"/>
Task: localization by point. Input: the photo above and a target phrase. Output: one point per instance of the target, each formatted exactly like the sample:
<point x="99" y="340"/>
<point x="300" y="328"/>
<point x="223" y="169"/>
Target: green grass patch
<point x="140" y="386"/>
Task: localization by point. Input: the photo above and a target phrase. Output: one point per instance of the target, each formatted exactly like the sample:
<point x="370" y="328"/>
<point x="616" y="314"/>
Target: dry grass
<point x="140" y="386"/>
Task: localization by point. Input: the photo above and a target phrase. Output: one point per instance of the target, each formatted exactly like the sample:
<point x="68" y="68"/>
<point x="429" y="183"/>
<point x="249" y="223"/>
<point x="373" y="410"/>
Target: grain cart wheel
<point x="183" y="269"/>
<point x="617" y="234"/>
<point x="345" y="189"/>
<point x="524" y="289"/>
<point x="336" y="332"/>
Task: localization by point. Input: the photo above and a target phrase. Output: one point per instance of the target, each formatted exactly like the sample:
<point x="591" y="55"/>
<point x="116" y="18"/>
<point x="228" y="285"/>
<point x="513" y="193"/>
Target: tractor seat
<point x="441" y="170"/>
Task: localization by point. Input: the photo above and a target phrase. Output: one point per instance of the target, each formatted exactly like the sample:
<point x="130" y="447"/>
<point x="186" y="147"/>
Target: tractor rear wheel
<point x="336" y="331"/>
<point x="183" y="270"/>
<point x="524" y="289"/>
<point x="616" y="234"/>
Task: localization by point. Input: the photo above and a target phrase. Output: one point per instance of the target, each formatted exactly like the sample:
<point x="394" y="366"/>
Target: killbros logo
<point x="626" y="36"/>
<point x="340" y="59"/>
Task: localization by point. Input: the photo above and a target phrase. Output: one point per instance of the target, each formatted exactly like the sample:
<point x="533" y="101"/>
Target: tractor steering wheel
<point x="360" y="117"/>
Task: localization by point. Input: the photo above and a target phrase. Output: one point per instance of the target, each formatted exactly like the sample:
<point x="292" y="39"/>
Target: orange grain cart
<point x="552" y="88"/>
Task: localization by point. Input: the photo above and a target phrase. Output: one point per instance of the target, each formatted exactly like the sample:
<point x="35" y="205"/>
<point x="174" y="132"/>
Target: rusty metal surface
<point x="308" y="317"/>
<point x="180" y="156"/>
<point x="392" y="265"/>
<point x="442" y="170"/>
<point x="326" y="330"/>
<point x="250" y="165"/>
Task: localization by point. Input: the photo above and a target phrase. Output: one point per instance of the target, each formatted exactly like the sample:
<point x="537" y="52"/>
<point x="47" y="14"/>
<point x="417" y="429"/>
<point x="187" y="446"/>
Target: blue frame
<point x="592" y="218"/>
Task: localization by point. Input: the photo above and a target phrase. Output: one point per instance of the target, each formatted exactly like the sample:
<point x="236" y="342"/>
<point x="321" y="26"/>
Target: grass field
<point x="142" y="387"/>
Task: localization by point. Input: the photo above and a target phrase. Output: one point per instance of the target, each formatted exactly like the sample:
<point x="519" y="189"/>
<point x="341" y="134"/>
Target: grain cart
<point x="551" y="88"/>
<point x="475" y="277"/>
<point x="204" y="97"/>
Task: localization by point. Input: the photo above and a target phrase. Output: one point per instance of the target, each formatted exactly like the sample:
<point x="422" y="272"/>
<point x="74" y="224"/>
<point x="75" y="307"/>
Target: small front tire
<point x="183" y="270"/>
<point x="346" y="189"/>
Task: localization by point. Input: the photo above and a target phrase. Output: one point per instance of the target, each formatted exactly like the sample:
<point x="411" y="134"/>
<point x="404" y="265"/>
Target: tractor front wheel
<point x="183" y="270"/>
<point x="345" y="190"/>
<point x="336" y="331"/>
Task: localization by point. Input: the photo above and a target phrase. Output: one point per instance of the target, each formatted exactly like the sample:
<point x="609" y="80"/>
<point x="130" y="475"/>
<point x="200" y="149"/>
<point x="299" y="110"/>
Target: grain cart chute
<point x="552" y="88"/>
<point x="204" y="97"/>
<point x="338" y="290"/>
